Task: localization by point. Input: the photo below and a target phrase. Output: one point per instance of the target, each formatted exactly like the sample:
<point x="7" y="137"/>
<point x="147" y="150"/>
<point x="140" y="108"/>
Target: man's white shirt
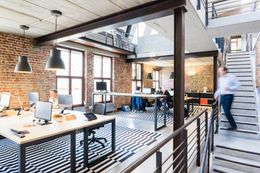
<point x="227" y="84"/>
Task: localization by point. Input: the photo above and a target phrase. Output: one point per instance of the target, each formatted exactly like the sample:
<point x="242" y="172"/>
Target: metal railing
<point x="188" y="152"/>
<point x="222" y="8"/>
<point x="209" y="144"/>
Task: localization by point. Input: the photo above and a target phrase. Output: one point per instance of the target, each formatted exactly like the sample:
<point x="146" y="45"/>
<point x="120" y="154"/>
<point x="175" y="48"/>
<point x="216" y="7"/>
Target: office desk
<point x="151" y="96"/>
<point x="43" y="133"/>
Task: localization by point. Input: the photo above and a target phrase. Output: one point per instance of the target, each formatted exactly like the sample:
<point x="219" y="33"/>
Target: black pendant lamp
<point x="149" y="76"/>
<point x="172" y="75"/>
<point x="55" y="62"/>
<point x="23" y="65"/>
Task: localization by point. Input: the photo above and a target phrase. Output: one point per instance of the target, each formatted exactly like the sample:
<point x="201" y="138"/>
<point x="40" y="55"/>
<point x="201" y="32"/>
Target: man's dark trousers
<point x="226" y="102"/>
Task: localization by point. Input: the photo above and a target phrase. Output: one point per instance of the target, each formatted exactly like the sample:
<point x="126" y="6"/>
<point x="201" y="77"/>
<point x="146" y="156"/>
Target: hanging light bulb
<point x="23" y="65"/>
<point x="55" y="62"/>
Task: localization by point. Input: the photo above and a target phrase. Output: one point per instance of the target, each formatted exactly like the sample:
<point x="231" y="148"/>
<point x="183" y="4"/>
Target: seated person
<point x="137" y="103"/>
<point x="159" y="91"/>
<point x="168" y="101"/>
<point x="54" y="98"/>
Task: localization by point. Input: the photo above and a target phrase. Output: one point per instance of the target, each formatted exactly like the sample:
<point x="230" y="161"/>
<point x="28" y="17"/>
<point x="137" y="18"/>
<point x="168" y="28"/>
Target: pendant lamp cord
<point x="56" y="20"/>
<point x="24" y="41"/>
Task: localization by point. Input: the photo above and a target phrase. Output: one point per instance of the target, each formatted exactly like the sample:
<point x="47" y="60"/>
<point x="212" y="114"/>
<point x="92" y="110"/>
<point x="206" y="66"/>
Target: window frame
<point x="104" y="78"/>
<point x="135" y="79"/>
<point x="157" y="81"/>
<point x="69" y="77"/>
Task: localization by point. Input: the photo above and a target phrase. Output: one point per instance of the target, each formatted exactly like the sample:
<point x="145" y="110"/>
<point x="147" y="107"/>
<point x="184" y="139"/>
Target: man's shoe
<point x="232" y="128"/>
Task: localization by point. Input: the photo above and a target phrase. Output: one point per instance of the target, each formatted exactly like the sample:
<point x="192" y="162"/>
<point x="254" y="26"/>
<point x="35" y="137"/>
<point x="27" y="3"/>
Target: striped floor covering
<point x="149" y="115"/>
<point x="53" y="156"/>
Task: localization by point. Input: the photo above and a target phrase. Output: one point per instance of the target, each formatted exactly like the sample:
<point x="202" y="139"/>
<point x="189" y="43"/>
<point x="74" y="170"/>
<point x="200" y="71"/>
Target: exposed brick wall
<point x="122" y="80"/>
<point x="89" y="76"/>
<point x="11" y="46"/>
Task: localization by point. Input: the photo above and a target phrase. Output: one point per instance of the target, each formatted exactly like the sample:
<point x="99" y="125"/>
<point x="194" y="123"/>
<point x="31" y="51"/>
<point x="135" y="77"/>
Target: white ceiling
<point x="36" y="13"/>
<point x="188" y="62"/>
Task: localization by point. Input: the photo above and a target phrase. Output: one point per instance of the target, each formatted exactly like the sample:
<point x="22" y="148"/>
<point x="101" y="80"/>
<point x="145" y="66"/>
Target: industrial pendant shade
<point x="172" y="75"/>
<point x="55" y="62"/>
<point x="23" y="65"/>
<point x="149" y="76"/>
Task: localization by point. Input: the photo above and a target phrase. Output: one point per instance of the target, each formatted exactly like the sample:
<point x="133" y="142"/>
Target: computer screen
<point x="64" y="99"/>
<point x="101" y="86"/>
<point x="147" y="90"/>
<point x="5" y="99"/>
<point x="33" y="97"/>
<point x="153" y="91"/>
<point x="171" y="92"/>
<point x="43" y="110"/>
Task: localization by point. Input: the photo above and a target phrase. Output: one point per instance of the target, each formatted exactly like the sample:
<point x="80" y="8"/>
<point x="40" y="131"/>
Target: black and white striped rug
<point x="148" y="115"/>
<point x="54" y="156"/>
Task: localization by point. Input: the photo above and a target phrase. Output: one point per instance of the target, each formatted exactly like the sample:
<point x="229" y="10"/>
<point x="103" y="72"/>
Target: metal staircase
<point x="238" y="151"/>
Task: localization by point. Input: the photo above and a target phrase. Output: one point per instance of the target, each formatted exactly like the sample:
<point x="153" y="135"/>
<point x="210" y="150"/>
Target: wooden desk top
<point x="130" y="94"/>
<point x="38" y="132"/>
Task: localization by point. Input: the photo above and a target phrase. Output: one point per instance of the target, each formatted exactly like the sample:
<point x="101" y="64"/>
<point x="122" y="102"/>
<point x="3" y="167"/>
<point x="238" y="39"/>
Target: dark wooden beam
<point x="179" y="84"/>
<point x="144" y="12"/>
<point x="170" y="57"/>
<point x="96" y="44"/>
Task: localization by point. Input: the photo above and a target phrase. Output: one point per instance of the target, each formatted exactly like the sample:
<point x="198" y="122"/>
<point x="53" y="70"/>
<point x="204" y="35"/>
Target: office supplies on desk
<point x="90" y="116"/>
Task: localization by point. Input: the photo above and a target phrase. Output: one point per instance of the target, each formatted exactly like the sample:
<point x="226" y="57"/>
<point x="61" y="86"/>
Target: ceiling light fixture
<point x="55" y="62"/>
<point x="23" y="65"/>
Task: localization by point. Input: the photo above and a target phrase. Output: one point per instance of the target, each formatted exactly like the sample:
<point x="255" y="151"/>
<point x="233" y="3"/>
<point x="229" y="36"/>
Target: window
<point x="156" y="79"/>
<point x="102" y="73"/>
<point x="71" y="80"/>
<point x="136" y="76"/>
<point x="236" y="43"/>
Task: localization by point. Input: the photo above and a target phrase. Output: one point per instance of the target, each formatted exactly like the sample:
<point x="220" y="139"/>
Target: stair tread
<point x="244" y="161"/>
<point x="244" y="115"/>
<point x="240" y="130"/>
<point x="241" y="122"/>
<point x="223" y="169"/>
<point x="238" y="143"/>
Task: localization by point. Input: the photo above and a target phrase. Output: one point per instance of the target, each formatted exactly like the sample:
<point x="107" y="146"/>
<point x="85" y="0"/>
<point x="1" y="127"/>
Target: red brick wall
<point x="11" y="46"/>
<point x="122" y="80"/>
<point x="89" y="76"/>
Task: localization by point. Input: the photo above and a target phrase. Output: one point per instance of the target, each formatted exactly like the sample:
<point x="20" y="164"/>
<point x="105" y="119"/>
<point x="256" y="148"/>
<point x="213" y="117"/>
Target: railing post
<point x="158" y="162"/>
<point x="212" y="129"/>
<point x="198" y="4"/>
<point x="198" y="142"/>
<point x="206" y="124"/>
<point x="207" y="13"/>
<point x="208" y="154"/>
<point x="186" y="151"/>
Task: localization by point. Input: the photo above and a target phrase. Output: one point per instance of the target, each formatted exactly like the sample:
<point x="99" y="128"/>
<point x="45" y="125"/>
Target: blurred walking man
<point x="227" y="86"/>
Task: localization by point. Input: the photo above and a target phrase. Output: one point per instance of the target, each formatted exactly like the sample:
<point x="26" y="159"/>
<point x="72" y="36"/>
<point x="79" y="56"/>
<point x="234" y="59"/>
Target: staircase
<point x="239" y="151"/>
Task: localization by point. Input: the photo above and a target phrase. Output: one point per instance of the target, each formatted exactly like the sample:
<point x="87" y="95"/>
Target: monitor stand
<point x="43" y="122"/>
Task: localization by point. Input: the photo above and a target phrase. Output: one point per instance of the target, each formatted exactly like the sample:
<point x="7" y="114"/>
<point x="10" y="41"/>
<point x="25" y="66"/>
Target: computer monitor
<point x="153" y="91"/>
<point x="33" y="97"/>
<point x="5" y="99"/>
<point x="147" y="90"/>
<point x="43" y="111"/>
<point x="101" y="86"/>
<point x="65" y="100"/>
<point x="171" y="92"/>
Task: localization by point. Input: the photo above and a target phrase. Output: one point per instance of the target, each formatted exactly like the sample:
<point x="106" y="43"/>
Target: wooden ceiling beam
<point x="144" y="12"/>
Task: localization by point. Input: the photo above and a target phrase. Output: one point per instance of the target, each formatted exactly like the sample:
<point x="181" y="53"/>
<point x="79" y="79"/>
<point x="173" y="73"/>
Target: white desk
<point x="151" y="96"/>
<point x="43" y="133"/>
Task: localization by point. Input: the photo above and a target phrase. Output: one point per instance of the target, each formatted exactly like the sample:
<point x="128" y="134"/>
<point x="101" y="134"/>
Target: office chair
<point x="94" y="139"/>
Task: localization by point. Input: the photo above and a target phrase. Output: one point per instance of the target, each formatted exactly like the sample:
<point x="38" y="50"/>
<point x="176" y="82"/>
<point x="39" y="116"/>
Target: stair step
<point x="222" y="169"/>
<point x="237" y="152"/>
<point x="244" y="99"/>
<point x="232" y="70"/>
<point x="239" y="66"/>
<point x="238" y="57"/>
<point x="240" y="125"/>
<point x="252" y="119"/>
<point x="243" y="111"/>
<point x="238" y="53"/>
<point x="246" y="62"/>
<point x="237" y="163"/>
<point x="251" y="134"/>
<point x="246" y="83"/>
<point x="246" y="88"/>
<point x="243" y="74"/>
<point x="245" y="94"/>
<point x="244" y="105"/>
<point x="242" y="115"/>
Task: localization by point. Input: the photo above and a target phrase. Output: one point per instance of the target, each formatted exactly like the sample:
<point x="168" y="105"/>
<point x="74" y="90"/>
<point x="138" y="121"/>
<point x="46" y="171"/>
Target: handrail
<point x="206" y="152"/>
<point x="161" y="144"/>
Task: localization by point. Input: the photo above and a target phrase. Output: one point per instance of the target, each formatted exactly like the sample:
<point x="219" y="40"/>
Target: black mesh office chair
<point x="94" y="139"/>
